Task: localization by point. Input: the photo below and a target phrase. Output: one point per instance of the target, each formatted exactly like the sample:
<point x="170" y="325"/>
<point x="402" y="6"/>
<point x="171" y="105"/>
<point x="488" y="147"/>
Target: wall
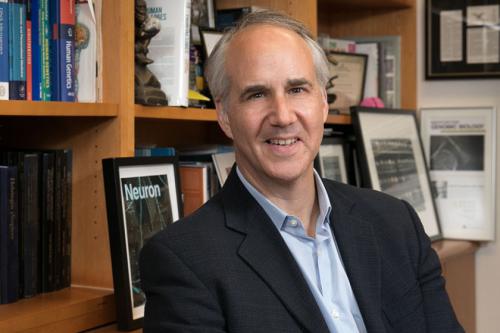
<point x="468" y="93"/>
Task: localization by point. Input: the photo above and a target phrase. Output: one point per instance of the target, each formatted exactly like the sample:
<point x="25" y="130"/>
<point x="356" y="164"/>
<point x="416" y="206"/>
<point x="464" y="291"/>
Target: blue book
<point x="36" y="47"/>
<point x="66" y="49"/>
<point x="17" y="49"/>
<point x="4" y="50"/>
<point x="54" y="65"/>
<point x="9" y="245"/>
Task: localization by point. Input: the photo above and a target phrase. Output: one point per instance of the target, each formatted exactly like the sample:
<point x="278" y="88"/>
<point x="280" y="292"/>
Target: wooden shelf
<point x="448" y="249"/>
<point x="366" y="4"/>
<point x="70" y="310"/>
<point x="58" y="109"/>
<point x="175" y="113"/>
<point x="195" y="114"/>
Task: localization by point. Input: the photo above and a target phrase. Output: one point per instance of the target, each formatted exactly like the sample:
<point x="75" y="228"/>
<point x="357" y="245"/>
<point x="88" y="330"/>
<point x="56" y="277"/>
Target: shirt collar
<point x="276" y="214"/>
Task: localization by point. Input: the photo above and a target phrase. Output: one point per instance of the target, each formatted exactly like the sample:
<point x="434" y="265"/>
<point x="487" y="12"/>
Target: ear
<point x="325" y="105"/>
<point x="223" y="119"/>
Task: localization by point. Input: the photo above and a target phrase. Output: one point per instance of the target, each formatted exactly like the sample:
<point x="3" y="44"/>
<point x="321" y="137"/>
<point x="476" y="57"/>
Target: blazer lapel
<point x="265" y="251"/>
<point x="359" y="253"/>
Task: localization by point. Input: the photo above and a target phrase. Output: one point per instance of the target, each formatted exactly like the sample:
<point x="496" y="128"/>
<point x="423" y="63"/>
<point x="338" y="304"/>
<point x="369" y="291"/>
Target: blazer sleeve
<point x="439" y="313"/>
<point x="176" y="299"/>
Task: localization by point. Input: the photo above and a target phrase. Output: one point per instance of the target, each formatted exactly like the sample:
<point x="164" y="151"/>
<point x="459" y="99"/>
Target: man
<point x="279" y="249"/>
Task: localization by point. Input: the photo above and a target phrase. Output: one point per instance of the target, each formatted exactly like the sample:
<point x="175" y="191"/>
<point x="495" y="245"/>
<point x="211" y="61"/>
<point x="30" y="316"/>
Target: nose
<point x="283" y="113"/>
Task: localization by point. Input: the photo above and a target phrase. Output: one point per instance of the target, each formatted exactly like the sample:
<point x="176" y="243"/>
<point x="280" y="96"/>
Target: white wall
<point x="469" y="93"/>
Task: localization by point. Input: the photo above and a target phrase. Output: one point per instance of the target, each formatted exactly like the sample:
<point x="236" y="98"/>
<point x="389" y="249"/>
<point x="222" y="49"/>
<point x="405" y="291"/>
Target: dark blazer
<point x="226" y="268"/>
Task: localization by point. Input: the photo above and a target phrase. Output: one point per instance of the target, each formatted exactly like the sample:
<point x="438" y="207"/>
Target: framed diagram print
<point x="142" y="198"/>
<point x="459" y="144"/>
<point x="392" y="160"/>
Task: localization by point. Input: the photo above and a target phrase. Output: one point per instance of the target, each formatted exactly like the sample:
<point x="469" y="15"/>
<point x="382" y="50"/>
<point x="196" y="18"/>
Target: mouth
<point x="282" y="142"/>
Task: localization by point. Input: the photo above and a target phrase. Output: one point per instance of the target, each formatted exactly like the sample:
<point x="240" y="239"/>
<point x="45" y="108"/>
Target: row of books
<point x="35" y="222"/>
<point x="202" y="170"/>
<point x="48" y="50"/>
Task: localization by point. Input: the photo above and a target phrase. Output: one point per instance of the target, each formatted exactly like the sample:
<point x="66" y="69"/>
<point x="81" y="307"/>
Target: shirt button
<point x="335" y="314"/>
<point x="293" y="222"/>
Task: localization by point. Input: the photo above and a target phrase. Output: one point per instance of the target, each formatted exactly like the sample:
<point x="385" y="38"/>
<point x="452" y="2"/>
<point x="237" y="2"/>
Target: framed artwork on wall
<point x="392" y="160"/>
<point x="460" y="146"/>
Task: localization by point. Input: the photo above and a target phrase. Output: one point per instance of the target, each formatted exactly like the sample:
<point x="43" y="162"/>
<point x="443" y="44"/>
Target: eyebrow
<point x="252" y="89"/>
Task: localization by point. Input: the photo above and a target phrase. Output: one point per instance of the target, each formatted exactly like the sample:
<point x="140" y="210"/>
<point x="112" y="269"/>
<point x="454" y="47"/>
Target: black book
<point x="66" y="188"/>
<point x="30" y="224"/>
<point x="9" y="261"/>
<point x="58" y="198"/>
<point x="47" y="222"/>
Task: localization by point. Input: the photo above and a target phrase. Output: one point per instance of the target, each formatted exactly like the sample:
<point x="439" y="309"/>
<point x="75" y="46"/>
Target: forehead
<point x="267" y="48"/>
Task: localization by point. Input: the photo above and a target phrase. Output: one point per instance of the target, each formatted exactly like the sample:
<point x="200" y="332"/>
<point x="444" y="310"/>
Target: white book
<point x="169" y="49"/>
<point x="86" y="46"/>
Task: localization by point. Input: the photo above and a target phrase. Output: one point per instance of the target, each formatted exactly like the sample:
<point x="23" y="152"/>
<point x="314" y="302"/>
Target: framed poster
<point x="392" y="160"/>
<point x="142" y="198"/>
<point x="462" y="39"/>
<point x="223" y="163"/>
<point x="348" y="73"/>
<point x="331" y="160"/>
<point x="460" y="145"/>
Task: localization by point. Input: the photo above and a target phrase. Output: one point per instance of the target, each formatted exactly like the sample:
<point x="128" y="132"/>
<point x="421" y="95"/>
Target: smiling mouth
<point x="282" y="142"/>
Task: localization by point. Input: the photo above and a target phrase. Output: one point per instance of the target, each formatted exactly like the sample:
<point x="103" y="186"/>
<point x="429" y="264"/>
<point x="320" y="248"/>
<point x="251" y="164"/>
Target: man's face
<point x="275" y="109"/>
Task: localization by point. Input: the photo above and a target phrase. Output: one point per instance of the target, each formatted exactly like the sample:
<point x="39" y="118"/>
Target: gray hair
<point x="215" y="71"/>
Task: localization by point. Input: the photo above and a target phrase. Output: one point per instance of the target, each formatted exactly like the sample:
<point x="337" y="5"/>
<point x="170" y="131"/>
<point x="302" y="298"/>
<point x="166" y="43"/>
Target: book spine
<point x="31" y="225"/>
<point x="17" y="44"/>
<point x="54" y="67"/>
<point x="47" y="223"/>
<point x="57" y="246"/>
<point x="4" y="50"/>
<point x="29" y="54"/>
<point x="45" y="50"/>
<point x="3" y="234"/>
<point x="66" y="219"/>
<point x="184" y="75"/>
<point x="66" y="50"/>
<point x="36" y="46"/>
<point x="13" y="241"/>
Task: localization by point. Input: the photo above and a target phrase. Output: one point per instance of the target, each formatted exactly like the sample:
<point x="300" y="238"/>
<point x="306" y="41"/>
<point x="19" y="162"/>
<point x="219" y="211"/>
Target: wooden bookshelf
<point x="57" y="109"/>
<point x="67" y="310"/>
<point x="175" y="113"/>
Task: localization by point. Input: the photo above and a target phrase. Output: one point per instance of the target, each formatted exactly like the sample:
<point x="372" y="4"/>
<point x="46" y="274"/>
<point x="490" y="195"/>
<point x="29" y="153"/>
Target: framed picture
<point x="142" y="198"/>
<point x="331" y="160"/>
<point x="392" y="160"/>
<point x="460" y="145"/>
<point x="209" y="38"/>
<point x="349" y="70"/>
<point x="202" y="15"/>
<point x="462" y="39"/>
<point x="223" y="163"/>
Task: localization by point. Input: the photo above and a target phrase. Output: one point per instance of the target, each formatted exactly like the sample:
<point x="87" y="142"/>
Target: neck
<point x="297" y="197"/>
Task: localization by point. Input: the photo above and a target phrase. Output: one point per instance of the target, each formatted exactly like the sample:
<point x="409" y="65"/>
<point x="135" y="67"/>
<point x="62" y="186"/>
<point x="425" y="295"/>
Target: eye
<point x="256" y="95"/>
<point x="296" y="90"/>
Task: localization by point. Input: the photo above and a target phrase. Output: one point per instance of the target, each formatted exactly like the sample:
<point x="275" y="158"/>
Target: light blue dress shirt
<point x="319" y="259"/>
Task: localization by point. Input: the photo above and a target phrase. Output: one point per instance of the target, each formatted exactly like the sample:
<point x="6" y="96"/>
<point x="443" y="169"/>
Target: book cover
<point x="4" y="50"/>
<point x="85" y="52"/>
<point x="9" y="264"/>
<point x="169" y="49"/>
<point x="17" y="45"/>
<point x="54" y="59"/>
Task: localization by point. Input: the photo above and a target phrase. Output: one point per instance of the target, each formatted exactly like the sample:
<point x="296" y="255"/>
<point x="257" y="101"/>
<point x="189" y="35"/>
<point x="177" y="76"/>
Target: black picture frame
<point x="460" y="40"/>
<point x="392" y="160"/>
<point x="331" y="161"/>
<point x="142" y="197"/>
<point x="348" y="73"/>
<point x="209" y="38"/>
